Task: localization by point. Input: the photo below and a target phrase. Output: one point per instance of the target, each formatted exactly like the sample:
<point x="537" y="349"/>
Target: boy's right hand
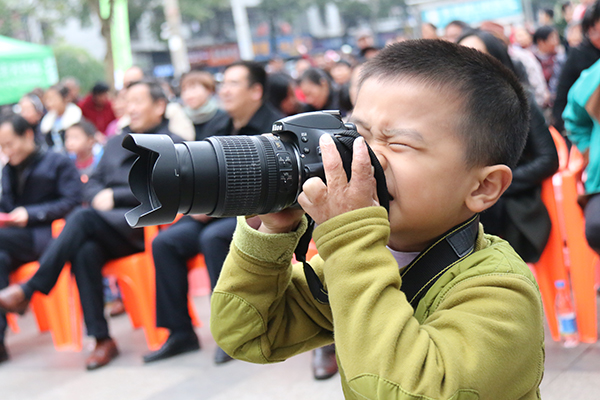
<point x="284" y="221"/>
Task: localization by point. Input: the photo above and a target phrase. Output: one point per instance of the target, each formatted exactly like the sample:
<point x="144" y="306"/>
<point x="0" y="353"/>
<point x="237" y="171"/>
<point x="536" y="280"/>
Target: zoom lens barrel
<point x="226" y="176"/>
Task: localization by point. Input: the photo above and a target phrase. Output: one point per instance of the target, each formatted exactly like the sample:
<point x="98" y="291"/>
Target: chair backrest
<point x="576" y="161"/>
<point x="561" y="148"/>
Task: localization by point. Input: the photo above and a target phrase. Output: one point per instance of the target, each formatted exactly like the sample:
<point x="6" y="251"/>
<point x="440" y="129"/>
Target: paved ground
<point x="38" y="372"/>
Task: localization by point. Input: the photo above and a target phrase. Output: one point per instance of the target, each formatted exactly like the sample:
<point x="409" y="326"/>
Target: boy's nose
<point x="380" y="157"/>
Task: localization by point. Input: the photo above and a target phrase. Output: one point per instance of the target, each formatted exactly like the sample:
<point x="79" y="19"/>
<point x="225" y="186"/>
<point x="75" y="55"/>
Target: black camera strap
<point x="421" y="274"/>
<point x="453" y="246"/>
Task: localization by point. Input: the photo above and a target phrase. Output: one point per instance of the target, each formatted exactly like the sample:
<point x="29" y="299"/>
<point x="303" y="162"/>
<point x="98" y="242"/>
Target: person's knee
<point x="164" y="242"/>
<point x="79" y="216"/>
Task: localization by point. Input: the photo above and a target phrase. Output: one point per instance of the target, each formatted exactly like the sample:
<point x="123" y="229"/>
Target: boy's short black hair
<point x="256" y="73"/>
<point x="86" y="126"/>
<point x="495" y="121"/>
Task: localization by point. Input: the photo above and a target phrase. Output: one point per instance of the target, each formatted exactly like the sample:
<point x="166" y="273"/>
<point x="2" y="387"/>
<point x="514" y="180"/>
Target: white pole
<point x="242" y="29"/>
<point x="177" y="45"/>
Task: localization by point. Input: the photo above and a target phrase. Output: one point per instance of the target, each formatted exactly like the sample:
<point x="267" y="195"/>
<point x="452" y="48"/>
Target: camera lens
<point x="226" y="176"/>
<point x="221" y="176"/>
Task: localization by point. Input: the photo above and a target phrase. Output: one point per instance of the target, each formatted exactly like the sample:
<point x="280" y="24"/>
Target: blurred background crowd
<point x="175" y="69"/>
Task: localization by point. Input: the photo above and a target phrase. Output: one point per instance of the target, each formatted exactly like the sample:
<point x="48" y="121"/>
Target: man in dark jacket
<point x="242" y="95"/>
<point x="579" y="59"/>
<point x="96" y="234"/>
<point x="38" y="187"/>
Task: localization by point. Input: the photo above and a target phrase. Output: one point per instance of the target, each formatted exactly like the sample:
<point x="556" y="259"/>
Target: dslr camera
<point x="226" y="176"/>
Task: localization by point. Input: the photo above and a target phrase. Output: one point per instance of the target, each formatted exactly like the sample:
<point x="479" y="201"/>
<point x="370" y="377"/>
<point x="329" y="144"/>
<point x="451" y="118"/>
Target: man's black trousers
<point x="87" y="242"/>
<point x="171" y="250"/>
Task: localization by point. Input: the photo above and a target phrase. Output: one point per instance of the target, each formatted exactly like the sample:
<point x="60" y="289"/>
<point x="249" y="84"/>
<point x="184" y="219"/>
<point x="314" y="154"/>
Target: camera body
<point x="234" y="175"/>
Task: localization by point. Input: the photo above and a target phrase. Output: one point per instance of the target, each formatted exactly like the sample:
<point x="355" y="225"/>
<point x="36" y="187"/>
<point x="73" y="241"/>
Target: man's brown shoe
<point x="12" y="299"/>
<point x="105" y="351"/>
<point x="324" y="363"/>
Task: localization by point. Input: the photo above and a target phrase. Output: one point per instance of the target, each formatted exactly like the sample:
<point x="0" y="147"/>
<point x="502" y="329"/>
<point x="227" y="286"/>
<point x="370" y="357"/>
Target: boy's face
<point x="413" y="129"/>
<point x="77" y="142"/>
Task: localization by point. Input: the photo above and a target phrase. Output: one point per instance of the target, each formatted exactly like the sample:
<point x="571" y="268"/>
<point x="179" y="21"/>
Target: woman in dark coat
<point x="520" y="216"/>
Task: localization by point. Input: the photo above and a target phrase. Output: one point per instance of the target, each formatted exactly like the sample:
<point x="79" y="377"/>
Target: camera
<point x="226" y="176"/>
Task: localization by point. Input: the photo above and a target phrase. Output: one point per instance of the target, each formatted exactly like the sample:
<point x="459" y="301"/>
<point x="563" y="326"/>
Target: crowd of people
<point x="64" y="159"/>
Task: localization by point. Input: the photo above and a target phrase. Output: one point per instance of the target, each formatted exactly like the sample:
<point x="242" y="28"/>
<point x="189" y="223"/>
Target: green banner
<point x="23" y="67"/>
<point x="120" y="36"/>
<point x="121" y="44"/>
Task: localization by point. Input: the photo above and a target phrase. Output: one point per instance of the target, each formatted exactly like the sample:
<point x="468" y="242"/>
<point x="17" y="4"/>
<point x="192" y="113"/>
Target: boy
<point x="445" y="122"/>
<point x="80" y="143"/>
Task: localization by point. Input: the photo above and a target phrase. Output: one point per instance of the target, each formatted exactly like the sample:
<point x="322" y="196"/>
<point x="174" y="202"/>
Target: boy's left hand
<point x="323" y="202"/>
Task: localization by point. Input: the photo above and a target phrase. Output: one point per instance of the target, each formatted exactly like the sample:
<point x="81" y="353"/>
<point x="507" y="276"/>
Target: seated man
<point x="38" y="187"/>
<point x="98" y="233"/>
<point x="242" y="93"/>
<point x="463" y="317"/>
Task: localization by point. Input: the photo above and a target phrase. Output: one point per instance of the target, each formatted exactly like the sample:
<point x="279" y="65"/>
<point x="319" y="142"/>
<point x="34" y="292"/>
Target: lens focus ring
<point x="249" y="170"/>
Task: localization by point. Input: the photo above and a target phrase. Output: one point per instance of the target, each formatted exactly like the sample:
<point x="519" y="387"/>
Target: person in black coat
<point x="322" y="93"/>
<point x="520" y="216"/>
<point x="242" y="95"/>
<point x="579" y="59"/>
<point x="95" y="234"/>
<point x="38" y="187"/>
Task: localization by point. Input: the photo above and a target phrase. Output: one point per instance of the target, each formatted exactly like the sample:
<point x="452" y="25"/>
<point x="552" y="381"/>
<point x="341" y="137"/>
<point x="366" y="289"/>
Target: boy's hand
<point x="284" y="221"/>
<point x="340" y="196"/>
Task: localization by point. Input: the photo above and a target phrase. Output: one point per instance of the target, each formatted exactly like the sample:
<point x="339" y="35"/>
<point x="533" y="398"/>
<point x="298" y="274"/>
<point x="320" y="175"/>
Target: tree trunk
<point x="105" y="30"/>
<point x="109" y="65"/>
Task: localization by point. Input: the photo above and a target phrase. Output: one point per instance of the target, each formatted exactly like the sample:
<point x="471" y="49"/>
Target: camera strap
<point x="421" y="274"/>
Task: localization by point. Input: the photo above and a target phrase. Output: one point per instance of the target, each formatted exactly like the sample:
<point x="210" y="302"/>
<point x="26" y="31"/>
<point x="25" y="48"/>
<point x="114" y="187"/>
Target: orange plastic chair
<point x="582" y="260"/>
<point x="136" y="277"/>
<point x="561" y="148"/>
<point x="551" y="266"/>
<point x="567" y="253"/>
<point x="197" y="263"/>
<point x="53" y="312"/>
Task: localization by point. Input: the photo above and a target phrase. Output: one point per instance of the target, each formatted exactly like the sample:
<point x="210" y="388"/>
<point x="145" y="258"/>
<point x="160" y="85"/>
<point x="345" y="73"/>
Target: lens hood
<point x="154" y="179"/>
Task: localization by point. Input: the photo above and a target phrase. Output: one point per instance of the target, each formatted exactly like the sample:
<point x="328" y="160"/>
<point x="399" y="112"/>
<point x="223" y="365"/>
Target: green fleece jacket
<point x="477" y="333"/>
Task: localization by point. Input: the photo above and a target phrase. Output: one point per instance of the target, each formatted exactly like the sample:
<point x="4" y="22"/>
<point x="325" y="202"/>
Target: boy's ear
<point x="491" y="183"/>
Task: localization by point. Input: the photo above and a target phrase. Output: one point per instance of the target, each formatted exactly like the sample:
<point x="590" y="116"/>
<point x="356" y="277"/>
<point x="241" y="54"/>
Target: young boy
<point x="81" y="144"/>
<point x="446" y="123"/>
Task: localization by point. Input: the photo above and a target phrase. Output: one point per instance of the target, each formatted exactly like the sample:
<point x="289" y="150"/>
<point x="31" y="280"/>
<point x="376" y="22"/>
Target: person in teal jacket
<point x="421" y="302"/>
<point x="581" y="117"/>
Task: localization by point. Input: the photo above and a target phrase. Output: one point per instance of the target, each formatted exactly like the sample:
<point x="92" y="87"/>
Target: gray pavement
<point x="38" y="372"/>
